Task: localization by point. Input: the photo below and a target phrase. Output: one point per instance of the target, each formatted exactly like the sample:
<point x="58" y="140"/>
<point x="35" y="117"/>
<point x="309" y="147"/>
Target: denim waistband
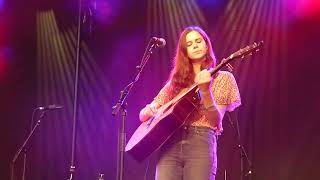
<point x="195" y="128"/>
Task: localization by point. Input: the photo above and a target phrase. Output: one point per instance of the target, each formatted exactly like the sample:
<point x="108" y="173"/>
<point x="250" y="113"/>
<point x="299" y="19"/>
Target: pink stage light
<point x="303" y="8"/>
<point x="3" y="62"/>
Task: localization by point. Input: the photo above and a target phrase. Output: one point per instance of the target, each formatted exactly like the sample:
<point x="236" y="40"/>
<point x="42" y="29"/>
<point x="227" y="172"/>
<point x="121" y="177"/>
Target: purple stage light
<point x="1" y="5"/>
<point x="105" y="11"/>
<point x="210" y="3"/>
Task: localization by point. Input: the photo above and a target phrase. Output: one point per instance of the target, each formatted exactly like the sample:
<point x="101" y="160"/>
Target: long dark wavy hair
<point x="182" y="74"/>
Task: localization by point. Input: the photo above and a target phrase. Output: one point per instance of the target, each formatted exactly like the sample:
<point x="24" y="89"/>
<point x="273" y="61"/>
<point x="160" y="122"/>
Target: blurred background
<point x="279" y="85"/>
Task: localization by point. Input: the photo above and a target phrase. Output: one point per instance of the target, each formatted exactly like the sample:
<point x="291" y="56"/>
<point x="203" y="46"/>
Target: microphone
<point x="50" y="107"/>
<point x="160" y="42"/>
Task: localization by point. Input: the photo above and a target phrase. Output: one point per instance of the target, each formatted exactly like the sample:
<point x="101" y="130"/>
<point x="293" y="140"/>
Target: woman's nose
<point x="195" y="46"/>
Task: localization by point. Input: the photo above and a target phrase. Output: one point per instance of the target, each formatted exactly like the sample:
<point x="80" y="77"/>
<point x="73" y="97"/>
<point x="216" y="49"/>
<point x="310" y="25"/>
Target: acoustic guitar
<point x="154" y="132"/>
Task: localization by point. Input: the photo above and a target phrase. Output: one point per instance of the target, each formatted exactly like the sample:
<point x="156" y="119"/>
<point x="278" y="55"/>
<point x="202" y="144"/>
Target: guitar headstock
<point x="248" y="50"/>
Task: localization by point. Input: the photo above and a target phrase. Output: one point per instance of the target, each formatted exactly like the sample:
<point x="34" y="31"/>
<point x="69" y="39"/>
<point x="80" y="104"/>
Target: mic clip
<point x="159" y="42"/>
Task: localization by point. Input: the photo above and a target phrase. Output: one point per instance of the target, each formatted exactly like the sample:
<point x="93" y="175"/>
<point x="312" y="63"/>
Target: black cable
<point x="147" y="169"/>
<point x="32" y="118"/>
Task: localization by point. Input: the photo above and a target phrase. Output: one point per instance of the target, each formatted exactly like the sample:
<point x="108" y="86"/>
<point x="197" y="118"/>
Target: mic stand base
<point x="72" y="170"/>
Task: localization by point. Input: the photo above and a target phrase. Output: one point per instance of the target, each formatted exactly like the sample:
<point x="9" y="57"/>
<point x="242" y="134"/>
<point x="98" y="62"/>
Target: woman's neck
<point x="197" y="65"/>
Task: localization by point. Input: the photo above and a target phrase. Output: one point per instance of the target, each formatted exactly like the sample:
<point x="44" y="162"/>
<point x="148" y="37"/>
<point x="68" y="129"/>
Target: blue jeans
<point x="190" y="154"/>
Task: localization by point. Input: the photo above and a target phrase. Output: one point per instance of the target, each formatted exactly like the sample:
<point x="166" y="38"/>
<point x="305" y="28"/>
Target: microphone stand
<point x="81" y="19"/>
<point x="243" y="153"/>
<point x="122" y="106"/>
<point x="22" y="148"/>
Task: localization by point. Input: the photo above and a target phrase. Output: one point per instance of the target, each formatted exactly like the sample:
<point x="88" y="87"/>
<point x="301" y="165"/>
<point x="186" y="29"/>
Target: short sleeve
<point x="163" y="96"/>
<point x="225" y="90"/>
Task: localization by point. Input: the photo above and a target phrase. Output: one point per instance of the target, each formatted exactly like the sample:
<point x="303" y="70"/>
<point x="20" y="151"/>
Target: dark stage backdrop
<point x="279" y="85"/>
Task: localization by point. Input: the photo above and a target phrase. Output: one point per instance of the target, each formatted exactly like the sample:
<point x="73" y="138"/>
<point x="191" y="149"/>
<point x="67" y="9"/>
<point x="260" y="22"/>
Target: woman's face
<point x="196" y="46"/>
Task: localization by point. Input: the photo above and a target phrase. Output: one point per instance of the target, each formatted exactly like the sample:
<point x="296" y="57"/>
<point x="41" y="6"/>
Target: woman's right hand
<point x="147" y="112"/>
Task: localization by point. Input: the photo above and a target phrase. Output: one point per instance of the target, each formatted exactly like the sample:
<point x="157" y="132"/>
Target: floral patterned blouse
<point x="225" y="92"/>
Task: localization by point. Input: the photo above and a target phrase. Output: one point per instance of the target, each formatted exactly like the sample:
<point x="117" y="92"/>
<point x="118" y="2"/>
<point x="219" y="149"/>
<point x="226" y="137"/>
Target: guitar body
<point x="151" y="134"/>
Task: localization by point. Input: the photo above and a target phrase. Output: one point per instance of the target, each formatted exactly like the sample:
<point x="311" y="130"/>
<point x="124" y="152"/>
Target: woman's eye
<point x="198" y="40"/>
<point x="189" y="43"/>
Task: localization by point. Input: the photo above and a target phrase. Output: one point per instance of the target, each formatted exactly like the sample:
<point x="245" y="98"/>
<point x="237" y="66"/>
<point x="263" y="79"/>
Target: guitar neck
<point x="214" y="70"/>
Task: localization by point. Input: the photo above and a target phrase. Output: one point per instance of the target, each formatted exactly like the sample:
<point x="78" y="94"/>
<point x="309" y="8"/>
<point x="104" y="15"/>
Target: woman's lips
<point x="197" y="52"/>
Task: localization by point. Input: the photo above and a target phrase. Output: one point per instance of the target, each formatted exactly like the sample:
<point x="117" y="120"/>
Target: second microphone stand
<point x="23" y="148"/>
<point x="243" y="153"/>
<point x="122" y="106"/>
